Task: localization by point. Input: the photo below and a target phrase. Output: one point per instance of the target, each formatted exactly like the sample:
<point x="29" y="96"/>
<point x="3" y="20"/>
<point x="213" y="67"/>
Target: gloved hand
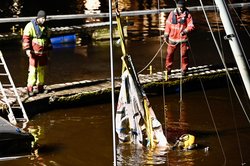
<point x="28" y="53"/>
<point x="165" y="38"/>
<point x="184" y="32"/>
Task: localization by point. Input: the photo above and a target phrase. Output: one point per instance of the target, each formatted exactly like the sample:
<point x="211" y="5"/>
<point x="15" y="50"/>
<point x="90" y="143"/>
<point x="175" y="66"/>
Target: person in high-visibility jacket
<point x="36" y="44"/>
<point x="178" y="24"/>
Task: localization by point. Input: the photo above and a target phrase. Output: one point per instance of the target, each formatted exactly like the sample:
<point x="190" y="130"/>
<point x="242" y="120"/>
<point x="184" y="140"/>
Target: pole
<point x="234" y="42"/>
<point x="112" y="80"/>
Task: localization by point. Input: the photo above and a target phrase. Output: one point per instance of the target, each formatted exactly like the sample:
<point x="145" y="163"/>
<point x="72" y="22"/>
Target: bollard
<point x="21" y="31"/>
<point x="13" y="29"/>
<point x="150" y="69"/>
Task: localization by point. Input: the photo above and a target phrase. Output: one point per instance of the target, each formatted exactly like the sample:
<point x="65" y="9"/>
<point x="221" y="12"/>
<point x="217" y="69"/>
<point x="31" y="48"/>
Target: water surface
<point x="83" y="135"/>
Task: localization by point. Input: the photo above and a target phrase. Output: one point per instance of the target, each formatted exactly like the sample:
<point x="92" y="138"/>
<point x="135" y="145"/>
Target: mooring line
<point x="152" y="58"/>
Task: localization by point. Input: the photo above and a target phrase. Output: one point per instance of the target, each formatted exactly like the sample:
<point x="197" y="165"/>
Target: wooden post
<point x="13" y="28"/>
<point x="150" y="69"/>
<point x="21" y="31"/>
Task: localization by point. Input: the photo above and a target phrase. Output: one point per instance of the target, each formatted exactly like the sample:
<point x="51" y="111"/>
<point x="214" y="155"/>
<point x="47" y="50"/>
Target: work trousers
<point x="36" y="76"/>
<point x="37" y="67"/>
<point x="184" y="56"/>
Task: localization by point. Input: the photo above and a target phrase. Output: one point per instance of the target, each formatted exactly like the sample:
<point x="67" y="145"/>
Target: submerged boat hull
<point x="14" y="141"/>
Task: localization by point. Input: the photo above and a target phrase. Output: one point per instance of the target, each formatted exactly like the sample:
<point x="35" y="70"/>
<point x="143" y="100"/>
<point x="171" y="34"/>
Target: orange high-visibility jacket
<point x="175" y="24"/>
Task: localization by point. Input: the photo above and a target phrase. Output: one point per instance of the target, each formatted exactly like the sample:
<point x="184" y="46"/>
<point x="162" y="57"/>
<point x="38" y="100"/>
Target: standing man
<point x="36" y="44"/>
<point x="179" y="23"/>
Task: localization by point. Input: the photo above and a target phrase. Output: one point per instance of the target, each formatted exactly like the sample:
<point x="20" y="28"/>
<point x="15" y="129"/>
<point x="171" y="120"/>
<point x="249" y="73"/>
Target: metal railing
<point x="124" y="13"/>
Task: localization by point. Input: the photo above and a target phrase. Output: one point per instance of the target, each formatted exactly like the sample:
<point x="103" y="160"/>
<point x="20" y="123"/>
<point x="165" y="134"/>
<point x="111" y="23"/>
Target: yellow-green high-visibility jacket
<point x="36" y="39"/>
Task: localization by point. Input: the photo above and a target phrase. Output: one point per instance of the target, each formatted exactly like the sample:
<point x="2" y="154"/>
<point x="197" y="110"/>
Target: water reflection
<point x="130" y="155"/>
<point x="16" y="8"/>
<point x="36" y="132"/>
<point x="177" y="125"/>
<point x="79" y="6"/>
<point x="176" y="120"/>
<point x="72" y="130"/>
<point x="123" y="5"/>
<point x="92" y="7"/>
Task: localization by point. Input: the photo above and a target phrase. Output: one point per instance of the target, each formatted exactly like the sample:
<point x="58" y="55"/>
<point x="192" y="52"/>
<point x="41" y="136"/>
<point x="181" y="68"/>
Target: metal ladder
<point x="11" y="98"/>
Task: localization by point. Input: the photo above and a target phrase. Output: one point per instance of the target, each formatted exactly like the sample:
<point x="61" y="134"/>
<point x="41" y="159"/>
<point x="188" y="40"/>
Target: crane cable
<point x="238" y="140"/>
<point x="226" y="69"/>
<point x="242" y="24"/>
<point x="203" y="89"/>
<point x="209" y="108"/>
<point x="162" y="66"/>
<point x="229" y="91"/>
<point x="230" y="79"/>
<point x="237" y="36"/>
<point x="224" y="64"/>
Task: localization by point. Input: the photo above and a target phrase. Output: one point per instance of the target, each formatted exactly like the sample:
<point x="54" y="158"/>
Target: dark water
<point x="83" y="135"/>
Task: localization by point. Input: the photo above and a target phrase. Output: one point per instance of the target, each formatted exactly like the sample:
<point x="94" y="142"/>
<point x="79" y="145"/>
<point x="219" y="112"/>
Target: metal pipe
<point x="112" y="81"/>
<point x="235" y="44"/>
<point x="124" y="13"/>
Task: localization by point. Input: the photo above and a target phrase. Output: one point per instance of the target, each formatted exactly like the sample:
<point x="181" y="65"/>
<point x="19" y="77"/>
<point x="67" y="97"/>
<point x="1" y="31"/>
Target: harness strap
<point x="38" y="31"/>
<point x="183" y="19"/>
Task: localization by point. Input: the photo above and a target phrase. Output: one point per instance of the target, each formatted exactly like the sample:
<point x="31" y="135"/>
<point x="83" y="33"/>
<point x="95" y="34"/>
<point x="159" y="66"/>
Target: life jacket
<point x="183" y="19"/>
<point x="176" y="23"/>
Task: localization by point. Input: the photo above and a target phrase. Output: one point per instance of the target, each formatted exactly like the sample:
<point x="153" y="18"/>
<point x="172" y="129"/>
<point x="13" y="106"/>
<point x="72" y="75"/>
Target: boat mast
<point x="234" y="42"/>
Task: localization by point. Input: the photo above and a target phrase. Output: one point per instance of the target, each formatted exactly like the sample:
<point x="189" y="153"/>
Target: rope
<point x="181" y="71"/>
<point x="230" y="94"/>
<point x="240" y="19"/>
<point x="224" y="64"/>
<point x="162" y="68"/>
<point x="238" y="36"/>
<point x="235" y="125"/>
<point x="160" y="49"/>
<point x="239" y="43"/>
<point x="152" y="58"/>
<point x="209" y="108"/>
<point x="229" y="77"/>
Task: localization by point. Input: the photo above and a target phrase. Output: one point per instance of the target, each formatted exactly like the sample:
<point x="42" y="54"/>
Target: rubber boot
<point x="30" y="91"/>
<point x="41" y="89"/>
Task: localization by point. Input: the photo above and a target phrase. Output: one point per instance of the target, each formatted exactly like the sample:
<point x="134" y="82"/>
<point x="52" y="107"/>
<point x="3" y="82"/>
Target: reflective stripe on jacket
<point x="176" y="24"/>
<point x="38" y="46"/>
